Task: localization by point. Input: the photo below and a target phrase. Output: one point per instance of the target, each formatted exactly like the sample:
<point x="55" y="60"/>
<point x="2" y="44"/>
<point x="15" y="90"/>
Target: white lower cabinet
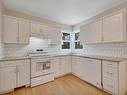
<point x="87" y="69"/>
<point x="92" y="71"/>
<point x="77" y="66"/>
<point x="7" y="78"/>
<point x="23" y="75"/>
<point x="14" y="74"/>
<point x="114" y="77"/>
<point x="62" y="65"/>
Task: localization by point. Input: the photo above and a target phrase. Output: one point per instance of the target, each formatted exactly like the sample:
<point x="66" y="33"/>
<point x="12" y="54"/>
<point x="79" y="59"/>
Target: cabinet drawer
<point x="110" y="64"/>
<point x="110" y="85"/>
<point x="110" y="72"/>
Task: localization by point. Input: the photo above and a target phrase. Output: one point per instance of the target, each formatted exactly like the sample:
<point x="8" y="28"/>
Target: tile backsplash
<point x="107" y="49"/>
<point x="21" y="49"/>
<point x="104" y="49"/>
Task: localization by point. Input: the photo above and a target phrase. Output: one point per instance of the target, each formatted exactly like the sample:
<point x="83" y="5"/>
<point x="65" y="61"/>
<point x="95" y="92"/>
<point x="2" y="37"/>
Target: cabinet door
<point x="67" y="64"/>
<point x="92" y="71"/>
<point x="7" y="78"/>
<point x="55" y="36"/>
<point x="23" y="74"/>
<point x="95" y="32"/>
<point x="80" y="64"/>
<point x="77" y="66"/>
<point x="1" y="33"/>
<point x="10" y="30"/>
<point x="24" y="31"/>
<point x="85" y="34"/>
<point x="74" y="65"/>
<point x="56" y="66"/>
<point x="62" y="65"/>
<point x="35" y="30"/>
<point x="113" y="28"/>
<point x="39" y="29"/>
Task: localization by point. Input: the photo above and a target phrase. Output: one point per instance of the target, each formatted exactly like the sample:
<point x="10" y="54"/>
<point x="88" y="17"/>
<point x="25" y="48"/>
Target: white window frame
<point x="68" y="50"/>
<point x="73" y="41"/>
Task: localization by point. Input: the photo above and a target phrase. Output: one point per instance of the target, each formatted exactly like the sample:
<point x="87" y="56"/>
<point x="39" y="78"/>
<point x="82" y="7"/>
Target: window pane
<point x="66" y="37"/>
<point x="76" y="36"/>
<point x="66" y="45"/>
<point x="78" y="45"/>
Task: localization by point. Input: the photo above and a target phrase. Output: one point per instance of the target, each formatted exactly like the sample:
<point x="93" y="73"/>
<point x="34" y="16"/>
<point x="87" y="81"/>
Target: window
<point x="77" y="42"/>
<point x="66" y="42"/>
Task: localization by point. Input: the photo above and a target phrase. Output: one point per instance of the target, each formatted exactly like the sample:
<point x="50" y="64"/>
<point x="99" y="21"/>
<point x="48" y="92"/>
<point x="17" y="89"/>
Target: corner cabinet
<point x="61" y="65"/>
<point x="16" y="30"/>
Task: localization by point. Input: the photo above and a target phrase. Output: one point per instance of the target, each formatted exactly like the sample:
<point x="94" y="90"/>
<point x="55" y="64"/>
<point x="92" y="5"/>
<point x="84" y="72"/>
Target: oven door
<point x="40" y="67"/>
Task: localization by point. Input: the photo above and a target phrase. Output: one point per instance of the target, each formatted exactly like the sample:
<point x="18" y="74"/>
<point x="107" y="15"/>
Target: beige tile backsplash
<point x="106" y="49"/>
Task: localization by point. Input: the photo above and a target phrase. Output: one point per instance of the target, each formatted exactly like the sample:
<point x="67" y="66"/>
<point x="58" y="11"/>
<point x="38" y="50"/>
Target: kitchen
<point x="56" y="53"/>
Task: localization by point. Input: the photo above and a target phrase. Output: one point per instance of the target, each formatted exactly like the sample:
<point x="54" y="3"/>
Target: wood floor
<point x="67" y="85"/>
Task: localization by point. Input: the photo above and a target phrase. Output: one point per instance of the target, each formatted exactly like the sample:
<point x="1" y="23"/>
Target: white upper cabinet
<point x="55" y="36"/>
<point x="16" y="30"/>
<point x="39" y="29"/>
<point x="47" y="32"/>
<point x="10" y="30"/>
<point x="111" y="28"/>
<point x="91" y="33"/>
<point x="24" y="31"/>
<point x="84" y="34"/>
<point x="114" y="28"/>
<point x="95" y="30"/>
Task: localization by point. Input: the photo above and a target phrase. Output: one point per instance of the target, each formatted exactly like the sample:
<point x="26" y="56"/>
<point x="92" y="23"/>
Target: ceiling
<point x="68" y="12"/>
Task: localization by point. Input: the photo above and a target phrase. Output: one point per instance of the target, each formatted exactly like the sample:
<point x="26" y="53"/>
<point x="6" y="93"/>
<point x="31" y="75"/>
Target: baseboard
<point x="5" y="92"/>
<point x="63" y="75"/>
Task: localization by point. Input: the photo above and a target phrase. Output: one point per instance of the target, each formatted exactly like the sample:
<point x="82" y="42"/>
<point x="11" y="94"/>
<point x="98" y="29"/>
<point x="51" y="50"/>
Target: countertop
<point x="108" y="58"/>
<point x="14" y="58"/>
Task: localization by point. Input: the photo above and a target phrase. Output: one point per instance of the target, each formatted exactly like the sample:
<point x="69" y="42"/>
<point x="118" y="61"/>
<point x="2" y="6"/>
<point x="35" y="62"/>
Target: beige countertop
<point x="99" y="57"/>
<point x="108" y="58"/>
<point x="14" y="58"/>
<point x="116" y="59"/>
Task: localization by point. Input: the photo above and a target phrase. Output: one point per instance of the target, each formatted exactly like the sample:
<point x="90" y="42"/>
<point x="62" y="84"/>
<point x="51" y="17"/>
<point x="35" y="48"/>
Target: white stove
<point x="41" y="68"/>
